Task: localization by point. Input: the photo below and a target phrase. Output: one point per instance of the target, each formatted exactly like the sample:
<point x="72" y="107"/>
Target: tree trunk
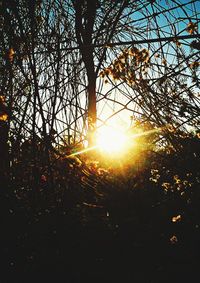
<point x="92" y="110"/>
<point x="85" y="11"/>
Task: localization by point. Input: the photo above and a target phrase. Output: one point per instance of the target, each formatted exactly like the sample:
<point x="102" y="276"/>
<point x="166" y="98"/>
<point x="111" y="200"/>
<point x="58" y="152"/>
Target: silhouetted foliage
<point x="67" y="68"/>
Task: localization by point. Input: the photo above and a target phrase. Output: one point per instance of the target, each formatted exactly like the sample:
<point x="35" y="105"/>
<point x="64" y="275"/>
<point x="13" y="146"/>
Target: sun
<point x="111" y="140"/>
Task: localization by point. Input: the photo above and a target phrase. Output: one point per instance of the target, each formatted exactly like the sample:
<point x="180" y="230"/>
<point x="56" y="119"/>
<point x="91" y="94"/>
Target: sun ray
<point x="82" y="151"/>
<point x="114" y="141"/>
<point x="146" y="133"/>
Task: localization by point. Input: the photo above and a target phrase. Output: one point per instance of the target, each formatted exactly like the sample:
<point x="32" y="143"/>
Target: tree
<point x="85" y="12"/>
<point x="64" y="53"/>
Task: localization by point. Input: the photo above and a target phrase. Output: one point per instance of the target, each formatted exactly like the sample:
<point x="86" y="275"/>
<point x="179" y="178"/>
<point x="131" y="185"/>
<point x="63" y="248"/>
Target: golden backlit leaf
<point x="191" y="27"/>
<point x="166" y="186"/>
<point x="176" y="218"/>
<point x="3" y="117"/>
<point x="120" y="67"/>
<point x="194" y="65"/>
<point x="2" y="99"/>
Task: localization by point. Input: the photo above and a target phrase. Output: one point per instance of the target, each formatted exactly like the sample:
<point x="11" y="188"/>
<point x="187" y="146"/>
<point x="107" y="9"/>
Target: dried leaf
<point x="3" y="117"/>
<point x="176" y="218"/>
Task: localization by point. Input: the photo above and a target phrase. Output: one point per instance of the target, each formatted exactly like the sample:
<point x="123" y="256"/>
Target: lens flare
<point x="111" y="140"/>
<point x="116" y="142"/>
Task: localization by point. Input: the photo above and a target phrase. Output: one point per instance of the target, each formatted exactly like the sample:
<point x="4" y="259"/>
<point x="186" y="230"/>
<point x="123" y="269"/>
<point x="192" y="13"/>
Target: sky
<point x="168" y="23"/>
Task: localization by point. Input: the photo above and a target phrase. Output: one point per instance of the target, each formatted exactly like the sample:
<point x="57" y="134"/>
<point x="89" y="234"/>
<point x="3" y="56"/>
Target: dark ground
<point x="129" y="241"/>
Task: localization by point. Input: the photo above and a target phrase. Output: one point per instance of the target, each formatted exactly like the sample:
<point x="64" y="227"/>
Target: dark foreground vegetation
<point x="99" y="224"/>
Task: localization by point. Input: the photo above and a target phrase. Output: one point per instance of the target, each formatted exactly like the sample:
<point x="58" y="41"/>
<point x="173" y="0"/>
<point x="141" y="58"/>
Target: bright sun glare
<point x="115" y="141"/>
<point x="111" y="140"/>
